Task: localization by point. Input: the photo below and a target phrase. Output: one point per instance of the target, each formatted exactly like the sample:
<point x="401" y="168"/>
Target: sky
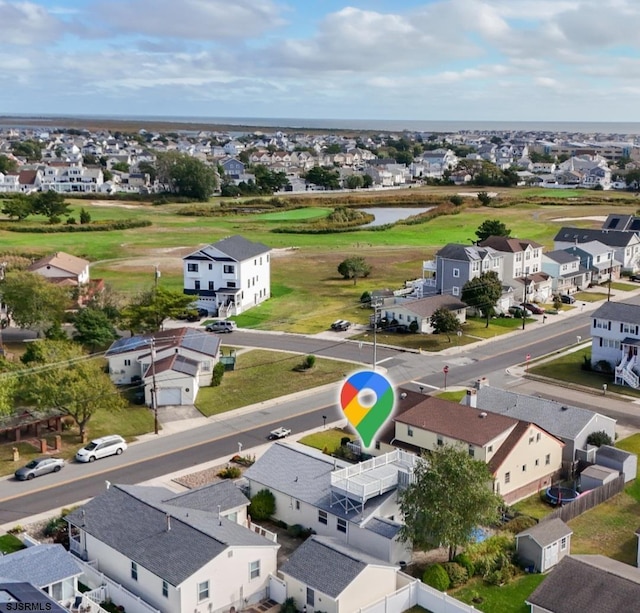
<point x="491" y="60"/>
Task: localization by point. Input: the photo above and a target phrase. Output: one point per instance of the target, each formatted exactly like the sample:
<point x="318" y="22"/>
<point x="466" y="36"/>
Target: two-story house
<point x="599" y="259"/>
<point x="195" y="551"/>
<point x="230" y="276"/>
<point x="66" y="270"/>
<point x="233" y="167"/>
<point x="615" y="338"/>
<point x="522" y="267"/>
<point x="566" y="272"/>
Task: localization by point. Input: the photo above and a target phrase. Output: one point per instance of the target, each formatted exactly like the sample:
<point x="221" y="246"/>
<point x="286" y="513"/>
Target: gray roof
<point x="595" y="471"/>
<point x="607" y="451"/>
<point x="618" y="311"/>
<point x="466" y="253"/>
<point x="223" y="493"/>
<point x="238" y="248"/>
<point x="588" y="583"/>
<point x="193" y="339"/>
<point x="133" y="521"/>
<point x="34" y="598"/>
<point x="547" y="532"/>
<point x="613" y="238"/>
<point x="325" y="565"/>
<point x="40" y="565"/>
<point x="425" y="307"/>
<point x="384" y="527"/>
<point x="559" y="419"/>
<point x="561" y="256"/>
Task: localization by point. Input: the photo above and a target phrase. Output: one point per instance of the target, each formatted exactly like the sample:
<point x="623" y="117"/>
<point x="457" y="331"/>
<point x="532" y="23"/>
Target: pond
<point x="384" y="215"/>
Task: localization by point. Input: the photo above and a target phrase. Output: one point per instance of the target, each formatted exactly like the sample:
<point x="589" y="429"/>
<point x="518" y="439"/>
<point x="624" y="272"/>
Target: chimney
<point x="481" y="382"/>
<point x="168" y="522"/>
<point x="471" y="399"/>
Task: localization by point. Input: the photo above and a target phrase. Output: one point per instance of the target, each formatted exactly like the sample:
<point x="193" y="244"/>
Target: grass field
<point x="327" y="439"/>
<point x="509" y="598"/>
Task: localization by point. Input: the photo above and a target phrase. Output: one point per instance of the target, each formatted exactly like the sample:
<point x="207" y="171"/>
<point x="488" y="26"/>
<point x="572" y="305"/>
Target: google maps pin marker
<point x="367" y="400"/>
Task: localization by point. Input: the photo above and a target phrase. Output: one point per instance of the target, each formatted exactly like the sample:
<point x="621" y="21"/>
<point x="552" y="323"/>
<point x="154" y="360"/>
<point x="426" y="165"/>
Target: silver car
<point x="37" y="467"/>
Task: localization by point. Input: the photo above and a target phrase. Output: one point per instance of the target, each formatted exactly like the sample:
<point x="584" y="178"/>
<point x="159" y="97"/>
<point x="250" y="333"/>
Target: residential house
<point x="194" y="551"/>
<point x="522" y="267"/>
<point x="230" y="276"/>
<point x="233" y="167"/>
<point x="625" y="223"/>
<point x="356" y="504"/>
<point x="566" y="272"/>
<point x="324" y="575"/>
<point x="626" y="245"/>
<point x="587" y="583"/>
<point x="455" y="264"/>
<point x="615" y="338"/>
<point x="63" y="269"/>
<point x="570" y="424"/>
<point x="599" y="259"/>
<point x="23" y="596"/>
<point x="48" y="567"/>
<point x="405" y="311"/>
<point x="542" y="546"/>
<point x="177" y="362"/>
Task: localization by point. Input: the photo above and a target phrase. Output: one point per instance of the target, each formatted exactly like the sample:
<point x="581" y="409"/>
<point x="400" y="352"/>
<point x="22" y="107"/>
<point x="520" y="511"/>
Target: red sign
<point x="445" y="370"/>
<point x="528" y="357"/>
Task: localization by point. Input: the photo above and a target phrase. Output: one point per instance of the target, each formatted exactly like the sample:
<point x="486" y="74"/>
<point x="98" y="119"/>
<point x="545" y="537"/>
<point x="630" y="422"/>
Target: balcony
<point x="429" y="265"/>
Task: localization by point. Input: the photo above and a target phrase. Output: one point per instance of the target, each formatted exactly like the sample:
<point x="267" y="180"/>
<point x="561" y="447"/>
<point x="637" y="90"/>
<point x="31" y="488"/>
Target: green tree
<point x="599" y="438"/>
<point x="354" y="182"/>
<point x="449" y="497"/>
<point x="85" y="217"/>
<point x="149" y="309"/>
<point x="367" y="180"/>
<point x="269" y="181"/>
<point x="354" y="268"/>
<point x="50" y="204"/>
<point x="483" y="292"/>
<point x="492" y="227"/>
<point x="149" y="169"/>
<point x="444" y="321"/>
<point x="120" y="167"/>
<point x="323" y="177"/>
<point x="263" y="505"/>
<point x="333" y="148"/>
<point x="32" y="301"/>
<point x="186" y="176"/>
<point x="7" y="164"/>
<point x="62" y="377"/>
<point x="8" y="386"/>
<point x="484" y="198"/>
<point x="93" y="329"/>
<point x="29" y="149"/>
<point x="19" y="207"/>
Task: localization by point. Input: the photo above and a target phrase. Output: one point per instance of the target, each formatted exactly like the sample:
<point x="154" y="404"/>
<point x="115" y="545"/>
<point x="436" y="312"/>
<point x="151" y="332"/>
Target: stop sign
<point x="445" y="370"/>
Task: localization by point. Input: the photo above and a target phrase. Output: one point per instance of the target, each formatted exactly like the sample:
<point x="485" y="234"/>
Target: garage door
<point x="169" y="395"/>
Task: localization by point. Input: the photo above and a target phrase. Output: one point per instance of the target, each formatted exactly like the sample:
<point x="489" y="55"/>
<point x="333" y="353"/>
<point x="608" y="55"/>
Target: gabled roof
<point x="425" y="307"/>
<point x="207" y="498"/>
<point x="171" y="541"/>
<point x="465" y="253"/>
<point x="588" y="583"/>
<point x="327" y="566"/>
<point x="237" y="248"/>
<point x="547" y="532"/>
<point x="173" y="362"/>
<point x="193" y="339"/>
<point x="40" y="565"/>
<point x="506" y="244"/>
<point x="618" y="311"/>
<point x="63" y="261"/>
<point x="613" y="453"/>
<point x="456" y="421"/>
<point x="561" y="256"/>
<point x="613" y="238"/>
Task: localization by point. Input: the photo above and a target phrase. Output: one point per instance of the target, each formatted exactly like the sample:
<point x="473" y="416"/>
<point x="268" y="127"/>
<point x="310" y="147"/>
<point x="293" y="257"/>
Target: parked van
<point x="221" y="326"/>
<point x="102" y="447"/>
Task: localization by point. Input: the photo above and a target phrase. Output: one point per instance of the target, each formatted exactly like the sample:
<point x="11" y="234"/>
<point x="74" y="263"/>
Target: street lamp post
<point x="154" y="389"/>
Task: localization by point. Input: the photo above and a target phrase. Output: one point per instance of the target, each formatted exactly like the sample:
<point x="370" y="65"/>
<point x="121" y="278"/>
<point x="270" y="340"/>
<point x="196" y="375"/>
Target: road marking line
<point x="420" y="384"/>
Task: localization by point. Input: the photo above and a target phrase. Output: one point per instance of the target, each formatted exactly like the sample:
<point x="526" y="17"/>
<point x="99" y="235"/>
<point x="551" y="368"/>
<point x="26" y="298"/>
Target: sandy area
<point x="588" y="218"/>
<point x="113" y="203"/>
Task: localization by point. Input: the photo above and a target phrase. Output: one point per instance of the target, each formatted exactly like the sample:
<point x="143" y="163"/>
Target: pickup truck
<point x="279" y="433"/>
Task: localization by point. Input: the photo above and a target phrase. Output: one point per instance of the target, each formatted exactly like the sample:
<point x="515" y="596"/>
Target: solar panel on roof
<point x="613" y="223"/>
<point x="635" y="224"/>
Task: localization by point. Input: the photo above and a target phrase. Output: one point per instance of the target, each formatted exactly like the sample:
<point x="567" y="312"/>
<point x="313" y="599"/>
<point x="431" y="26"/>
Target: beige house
<point x="405" y="311"/>
<point x="62" y="268"/>
<point x="522" y="457"/>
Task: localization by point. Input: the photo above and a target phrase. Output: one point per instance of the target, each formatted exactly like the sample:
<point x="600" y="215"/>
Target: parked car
<point x="567" y="299"/>
<point x="40" y="466"/>
<point x="517" y="311"/>
<point x="340" y="325"/>
<point x="279" y="433"/>
<point x="534" y="308"/>
<point x="635" y="278"/>
<point x="102" y="447"/>
<point x="223" y="326"/>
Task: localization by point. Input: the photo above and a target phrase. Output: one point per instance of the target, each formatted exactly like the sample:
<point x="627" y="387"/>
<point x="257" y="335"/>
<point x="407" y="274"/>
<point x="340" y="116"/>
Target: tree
<point x="456" y="200"/>
<point x="269" y="181"/>
<point x="120" y="167"/>
<point x="19" y="207"/>
<point x="93" y="328"/>
<point x="367" y="180"/>
<point x="62" y="377"/>
<point x="32" y="301"/>
<point x="354" y="268"/>
<point x="484" y="198"/>
<point x="354" y="181"/>
<point x="599" y="438"/>
<point x="444" y="321"/>
<point x="186" y="176"/>
<point x="329" y="179"/>
<point x="449" y="497"/>
<point x="29" y="149"/>
<point x="7" y="164"/>
<point x="149" y="309"/>
<point x="483" y="292"/>
<point x="148" y="168"/>
<point x="263" y="505"/>
<point x="492" y="227"/>
<point x="85" y="216"/>
<point x="50" y="204"/>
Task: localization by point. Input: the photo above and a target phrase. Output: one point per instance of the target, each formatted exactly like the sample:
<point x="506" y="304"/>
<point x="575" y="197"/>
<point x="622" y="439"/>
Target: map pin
<point x="367" y="399"/>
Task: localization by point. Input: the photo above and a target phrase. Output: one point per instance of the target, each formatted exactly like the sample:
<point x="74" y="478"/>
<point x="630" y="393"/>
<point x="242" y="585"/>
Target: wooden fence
<point x="588" y="500"/>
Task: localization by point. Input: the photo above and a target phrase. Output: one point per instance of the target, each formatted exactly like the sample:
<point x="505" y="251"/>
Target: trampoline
<point x="559" y="495"/>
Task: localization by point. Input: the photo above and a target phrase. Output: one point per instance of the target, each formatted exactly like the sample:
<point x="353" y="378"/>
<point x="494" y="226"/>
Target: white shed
<point x="623" y="461"/>
<point x="595" y="476"/>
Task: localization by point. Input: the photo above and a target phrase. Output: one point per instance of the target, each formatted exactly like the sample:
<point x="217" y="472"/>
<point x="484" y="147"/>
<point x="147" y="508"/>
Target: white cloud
<point x="26" y="23"/>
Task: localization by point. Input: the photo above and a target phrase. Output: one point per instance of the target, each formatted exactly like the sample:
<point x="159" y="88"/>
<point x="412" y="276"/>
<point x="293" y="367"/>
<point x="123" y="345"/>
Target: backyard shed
<point x="624" y="462"/>
<point x="594" y="476"/>
<point x="544" y="545"/>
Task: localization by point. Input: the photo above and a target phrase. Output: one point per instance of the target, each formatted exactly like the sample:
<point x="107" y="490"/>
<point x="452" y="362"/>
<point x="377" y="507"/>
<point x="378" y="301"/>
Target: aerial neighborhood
<point x="237" y="480"/>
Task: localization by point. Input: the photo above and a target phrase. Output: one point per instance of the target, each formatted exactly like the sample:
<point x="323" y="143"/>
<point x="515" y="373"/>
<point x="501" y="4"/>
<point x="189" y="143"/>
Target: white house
<point x="61" y="267"/>
<point x="615" y="338"/>
<point x="194" y="551"/>
<point x="407" y="311"/>
<point x="230" y="276"/>
<point x="180" y="361"/>
<point x="567" y="274"/>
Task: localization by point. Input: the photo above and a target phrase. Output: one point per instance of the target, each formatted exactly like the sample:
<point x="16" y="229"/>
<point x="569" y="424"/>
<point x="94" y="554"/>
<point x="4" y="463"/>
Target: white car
<point x="279" y="433"/>
<point x="102" y="447"/>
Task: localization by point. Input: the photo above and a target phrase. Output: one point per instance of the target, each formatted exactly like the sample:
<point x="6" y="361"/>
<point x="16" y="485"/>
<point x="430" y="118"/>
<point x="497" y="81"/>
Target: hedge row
<point x="98" y="226"/>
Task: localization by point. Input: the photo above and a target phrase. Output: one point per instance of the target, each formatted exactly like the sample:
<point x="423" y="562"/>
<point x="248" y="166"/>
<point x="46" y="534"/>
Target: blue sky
<point x="536" y="60"/>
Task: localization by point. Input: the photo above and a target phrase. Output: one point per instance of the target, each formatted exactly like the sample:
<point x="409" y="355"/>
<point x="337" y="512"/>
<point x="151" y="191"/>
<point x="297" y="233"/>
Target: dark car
<point x="635" y="278"/>
<point x="534" y="308"/>
<point x="567" y="299"/>
<point x="517" y="311"/>
<point x="40" y="466"/>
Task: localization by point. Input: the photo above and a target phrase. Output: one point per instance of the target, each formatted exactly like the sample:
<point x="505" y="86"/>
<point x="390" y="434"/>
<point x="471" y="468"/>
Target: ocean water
<point x="390" y="125"/>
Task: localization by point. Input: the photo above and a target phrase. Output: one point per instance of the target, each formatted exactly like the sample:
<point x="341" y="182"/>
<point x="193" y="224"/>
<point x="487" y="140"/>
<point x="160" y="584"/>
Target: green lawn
<point x="509" y="598"/>
<point x="327" y="439"/>
<point x="310" y="212"/>
<point x="452" y="396"/>
<point x="589" y="296"/>
<point x="623" y="287"/>
<point x="533" y="506"/>
<point x="10" y="543"/>
<point x="261" y="375"/>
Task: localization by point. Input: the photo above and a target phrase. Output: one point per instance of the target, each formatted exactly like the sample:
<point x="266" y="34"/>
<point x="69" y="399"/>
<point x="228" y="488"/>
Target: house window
<point x="456" y="272"/>
<point x="537" y="462"/>
<point x="210" y="266"/>
<point x="472" y="451"/>
<point x="311" y="597"/>
<point x="196" y="284"/>
<point x="377" y="445"/>
<point x="254" y="569"/>
<point x="547" y="459"/>
<point x="165" y="589"/>
<point x="297" y="505"/>
<point x="211" y="286"/>
<point x="134" y="571"/>
<point x="538" y="437"/>
<point x="229" y="269"/>
<point x="192" y="268"/>
<point x="127" y="362"/>
<point x="531" y="439"/>
<point x="231" y="283"/>
<point x="322" y="517"/>
<point x="524" y="468"/>
<point x="341" y="525"/>
<point x="455" y="290"/>
<point x="490" y="449"/>
<point x="439" y="441"/>
<point x="203" y="591"/>
<point x="563" y="543"/>
<point x="409" y="431"/>
<point x="507" y="477"/>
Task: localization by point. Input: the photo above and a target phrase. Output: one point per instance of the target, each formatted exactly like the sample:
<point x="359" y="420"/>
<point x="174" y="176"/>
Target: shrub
<point x="436" y="576"/>
<point x="365" y="298"/>
<point x="344" y="440"/>
<point x="457" y="573"/>
<point x="16" y="530"/>
<point x="71" y="221"/>
<point x="289" y="606"/>
<point x="217" y="374"/>
<point x="456" y="200"/>
<point x="309" y="361"/>
<point x="413" y="326"/>
<point x="603" y="366"/>
<point x="599" y="438"/>
<point x="295" y="531"/>
<point x="85" y="217"/>
<point x="520" y="523"/>
<point x="586" y="363"/>
<point x="465" y="561"/>
<point x="230" y="472"/>
<point x="263" y="505"/>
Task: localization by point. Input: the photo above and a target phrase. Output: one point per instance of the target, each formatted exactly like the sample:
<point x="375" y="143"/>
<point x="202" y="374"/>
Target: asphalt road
<point x="219" y="438"/>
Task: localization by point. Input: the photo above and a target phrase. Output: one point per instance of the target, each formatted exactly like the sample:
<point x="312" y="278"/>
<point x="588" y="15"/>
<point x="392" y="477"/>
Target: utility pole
<point x="154" y="390"/>
<point x="609" y="288"/>
<point x="156" y="276"/>
<point x="524" y="308"/>
<point x="375" y="336"/>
